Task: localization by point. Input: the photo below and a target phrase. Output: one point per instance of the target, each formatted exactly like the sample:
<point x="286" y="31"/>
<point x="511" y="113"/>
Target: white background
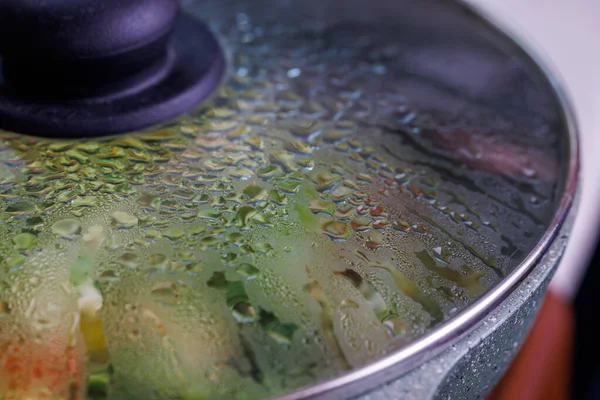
<point x="566" y="34"/>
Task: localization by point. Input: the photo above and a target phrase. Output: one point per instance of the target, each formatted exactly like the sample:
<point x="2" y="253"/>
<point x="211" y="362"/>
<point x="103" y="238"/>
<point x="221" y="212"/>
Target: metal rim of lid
<point x="428" y="346"/>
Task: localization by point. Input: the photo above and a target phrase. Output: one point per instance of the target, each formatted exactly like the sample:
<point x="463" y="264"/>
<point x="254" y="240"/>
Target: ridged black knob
<point x="82" y="45"/>
<point x="129" y="63"/>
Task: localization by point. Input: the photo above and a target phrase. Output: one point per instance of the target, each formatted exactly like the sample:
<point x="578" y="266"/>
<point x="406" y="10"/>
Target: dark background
<point x="586" y="382"/>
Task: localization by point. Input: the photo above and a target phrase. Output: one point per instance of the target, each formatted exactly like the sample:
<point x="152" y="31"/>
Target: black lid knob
<point x="93" y="67"/>
<point x="82" y="45"/>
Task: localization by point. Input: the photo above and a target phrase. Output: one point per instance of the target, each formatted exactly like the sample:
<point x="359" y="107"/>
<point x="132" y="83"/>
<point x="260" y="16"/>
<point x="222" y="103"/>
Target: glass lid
<point x="366" y="171"/>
